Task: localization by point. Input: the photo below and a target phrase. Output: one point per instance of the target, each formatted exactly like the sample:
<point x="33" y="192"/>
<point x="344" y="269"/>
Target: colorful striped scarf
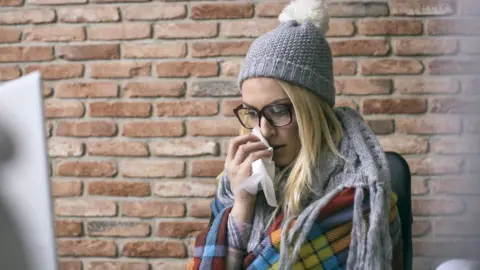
<point x="325" y="247"/>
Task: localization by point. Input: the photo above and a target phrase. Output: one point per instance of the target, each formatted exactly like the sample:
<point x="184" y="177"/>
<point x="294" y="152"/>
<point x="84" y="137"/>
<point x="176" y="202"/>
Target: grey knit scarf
<point x="366" y="167"/>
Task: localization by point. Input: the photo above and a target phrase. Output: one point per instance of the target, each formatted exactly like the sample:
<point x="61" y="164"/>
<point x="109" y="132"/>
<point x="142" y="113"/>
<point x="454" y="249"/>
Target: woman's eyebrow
<point x="273" y="102"/>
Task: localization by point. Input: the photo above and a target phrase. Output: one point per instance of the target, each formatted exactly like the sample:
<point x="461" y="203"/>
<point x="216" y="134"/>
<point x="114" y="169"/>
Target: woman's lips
<point x="277" y="147"/>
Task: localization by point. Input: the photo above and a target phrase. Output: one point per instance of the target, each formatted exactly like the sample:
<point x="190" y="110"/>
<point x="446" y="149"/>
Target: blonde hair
<point x="319" y="130"/>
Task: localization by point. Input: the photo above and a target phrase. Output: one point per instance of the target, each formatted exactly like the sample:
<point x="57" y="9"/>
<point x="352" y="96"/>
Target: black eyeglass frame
<point x="260" y="114"/>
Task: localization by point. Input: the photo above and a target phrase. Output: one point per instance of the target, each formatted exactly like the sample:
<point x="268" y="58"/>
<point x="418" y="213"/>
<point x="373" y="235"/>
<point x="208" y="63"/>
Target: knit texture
<point x="296" y="53"/>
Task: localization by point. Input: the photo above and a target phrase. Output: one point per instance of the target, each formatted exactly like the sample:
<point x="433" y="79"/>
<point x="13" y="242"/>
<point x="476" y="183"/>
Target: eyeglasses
<point x="278" y="115"/>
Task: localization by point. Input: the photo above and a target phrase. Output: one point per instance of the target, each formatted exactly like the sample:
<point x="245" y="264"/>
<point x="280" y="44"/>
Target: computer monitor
<point x="27" y="228"/>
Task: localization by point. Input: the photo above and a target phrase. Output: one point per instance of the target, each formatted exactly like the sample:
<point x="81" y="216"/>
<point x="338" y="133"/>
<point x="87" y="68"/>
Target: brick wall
<point x="139" y="93"/>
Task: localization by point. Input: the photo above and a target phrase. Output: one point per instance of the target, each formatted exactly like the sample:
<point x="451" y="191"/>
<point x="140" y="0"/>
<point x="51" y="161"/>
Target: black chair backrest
<point x="401" y="185"/>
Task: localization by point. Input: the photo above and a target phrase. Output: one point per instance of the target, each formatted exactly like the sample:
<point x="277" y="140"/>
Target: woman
<point x="336" y="209"/>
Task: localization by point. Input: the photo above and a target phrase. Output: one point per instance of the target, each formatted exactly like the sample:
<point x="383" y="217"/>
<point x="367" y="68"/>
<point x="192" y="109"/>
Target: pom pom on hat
<point x="312" y="10"/>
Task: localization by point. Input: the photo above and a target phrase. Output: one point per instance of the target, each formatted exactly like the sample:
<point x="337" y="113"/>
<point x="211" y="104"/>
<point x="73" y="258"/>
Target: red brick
<point x="152" y="169"/>
<point x="186" y="108"/>
<point x="87" y="168"/>
<point x="213" y="127"/>
<point x="404" y="145"/>
<point x="117" y="228"/>
<point x="57" y="71"/>
<point x="380" y="126"/>
<point x="199" y="208"/>
<point x="117" y="70"/>
<point x="472" y="126"/>
<point x="125" y="31"/>
<point x="68" y="228"/>
<point x="117" y="265"/>
<point x="86" y="89"/>
<point x="219" y="48"/>
<point x="221" y="11"/>
<point x="65" y="147"/>
<point x="390" y="66"/>
<point x="344" y="67"/>
<point x="207" y="167"/>
<point x="180" y="229"/>
<point x="27" y="16"/>
<point x="95" y="14"/>
<point x="69" y="265"/>
<point x="154" y="249"/>
<point x="432" y="165"/>
<point x="470" y="46"/>
<point x="63" y="109"/>
<point x="394" y="106"/>
<point x="456" y="145"/>
<point x="452" y="27"/>
<point x="84" y="207"/>
<point x="376" y="27"/>
<point x="363" y="86"/>
<point x="459" y="185"/>
<point x="54" y="33"/>
<point x="358" y="47"/>
<point x="470" y="7"/>
<point x="154" y="12"/>
<point x="119" y="1"/>
<point x="154" y="89"/>
<point x="47" y="91"/>
<point x="87" y="248"/>
<point x="119" y="109"/>
<point x="56" y="2"/>
<point x="9" y="73"/>
<point x="119" y="148"/>
<point x="185" y="189"/>
<point x="153" y="129"/>
<point x="86" y="129"/>
<point x="150" y="209"/>
<point x="66" y="188"/>
<point x="419" y="186"/>
<point x="446" y="248"/>
<point x="169" y="265"/>
<point x="269" y="9"/>
<point x="251" y="28"/>
<point x="231" y="67"/>
<point x="357" y="9"/>
<point x="89" y="52"/>
<point x="429" y="125"/>
<point x="10" y="3"/>
<point x="424" y="46"/>
<point x="187" y="69"/>
<point x="183" y="147"/>
<point x="429" y="207"/>
<point x="452" y="105"/>
<point x="415" y="85"/>
<point x="186" y="30"/>
<point x="119" y="189"/>
<point x="346" y="102"/>
<point x="340" y="28"/>
<point x="456" y="227"/>
<point x="147" y="50"/>
<point x="422" y="7"/>
<point x="420" y="227"/>
<point x="228" y="106"/>
<point x="453" y="66"/>
<point x="26" y="54"/>
<point x="10" y="35"/>
<point x="214" y="88"/>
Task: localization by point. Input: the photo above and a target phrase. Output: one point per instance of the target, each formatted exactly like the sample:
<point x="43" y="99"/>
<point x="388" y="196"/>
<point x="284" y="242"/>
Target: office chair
<point x="401" y="185"/>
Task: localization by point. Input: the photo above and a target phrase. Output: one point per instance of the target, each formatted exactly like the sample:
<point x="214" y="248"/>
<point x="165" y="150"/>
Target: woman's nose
<point x="266" y="128"/>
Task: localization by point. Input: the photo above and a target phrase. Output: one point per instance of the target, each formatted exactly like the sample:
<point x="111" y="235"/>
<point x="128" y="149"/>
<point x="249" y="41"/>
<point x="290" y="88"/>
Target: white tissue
<point x="263" y="173"/>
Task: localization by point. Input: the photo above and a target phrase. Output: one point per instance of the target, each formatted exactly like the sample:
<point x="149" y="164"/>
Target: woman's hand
<point x="242" y="152"/>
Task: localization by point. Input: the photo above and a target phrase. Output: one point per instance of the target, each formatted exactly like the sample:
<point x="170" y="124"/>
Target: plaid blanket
<point x="326" y="246"/>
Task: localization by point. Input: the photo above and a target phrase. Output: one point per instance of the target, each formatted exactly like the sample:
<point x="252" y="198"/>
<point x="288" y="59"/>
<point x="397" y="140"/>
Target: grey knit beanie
<point x="296" y="51"/>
